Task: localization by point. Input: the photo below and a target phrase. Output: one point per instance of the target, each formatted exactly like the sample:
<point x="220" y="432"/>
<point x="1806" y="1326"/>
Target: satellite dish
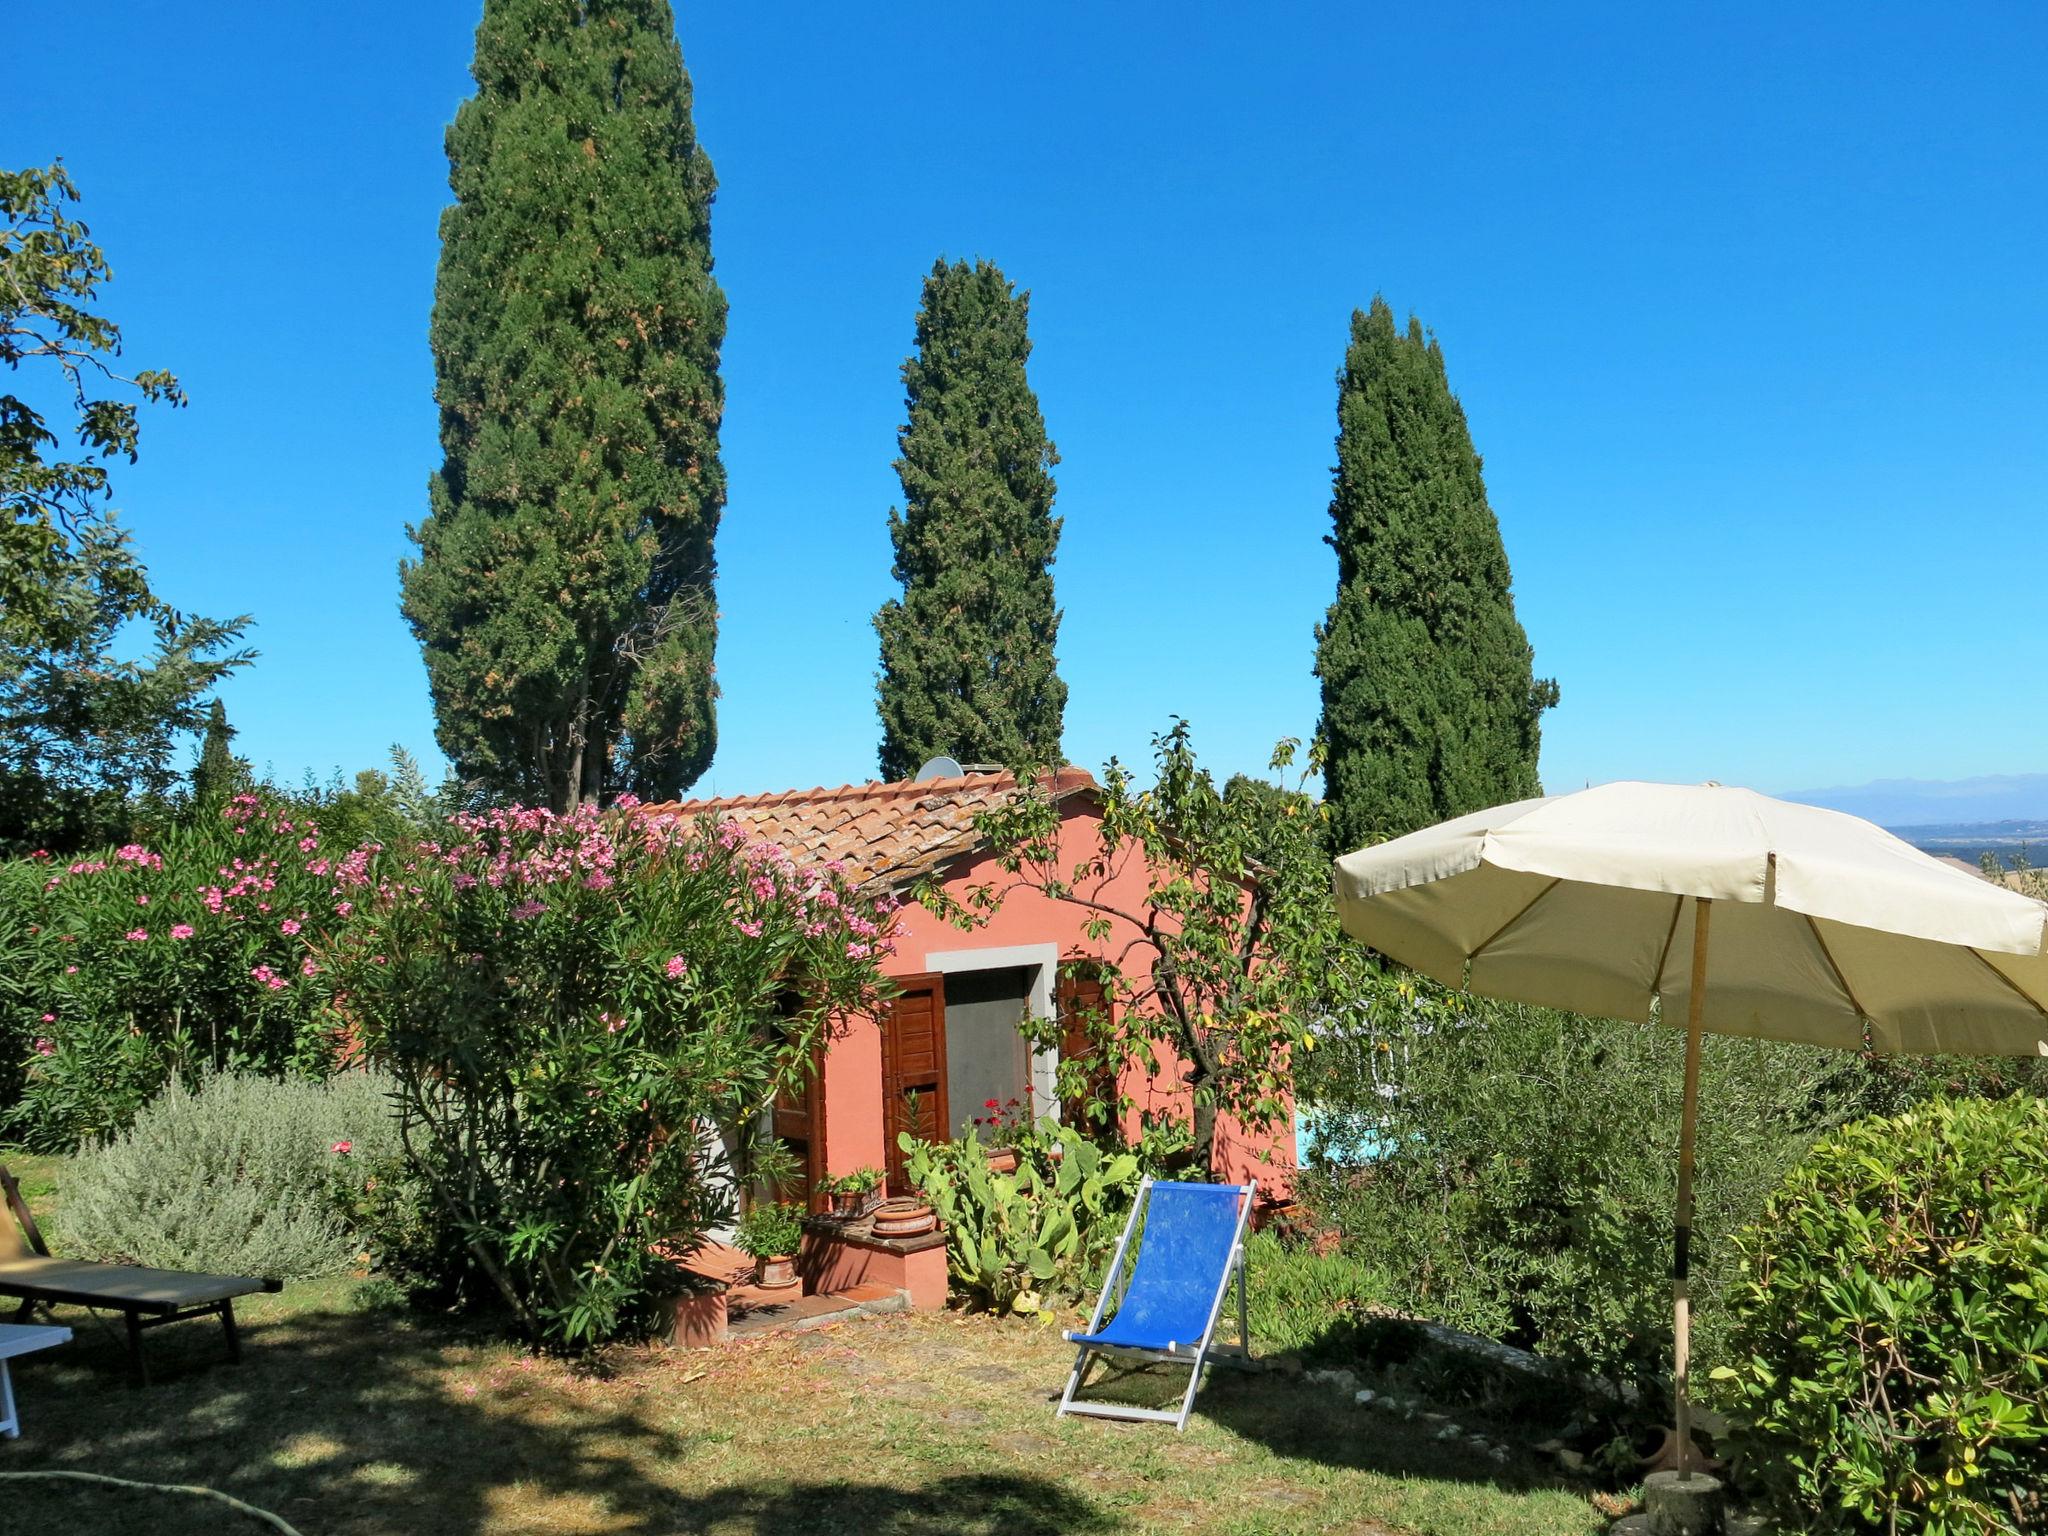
<point x="939" y="768"/>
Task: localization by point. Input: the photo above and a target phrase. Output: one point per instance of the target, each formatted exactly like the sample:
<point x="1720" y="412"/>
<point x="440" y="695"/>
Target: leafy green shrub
<point x="1050" y="1226"/>
<point x="1514" y="1170"/>
<point x="569" y="1003"/>
<point x="241" y="1175"/>
<point x="770" y="1231"/>
<point x="1298" y="1297"/>
<point x="194" y="954"/>
<point x="1890" y="1333"/>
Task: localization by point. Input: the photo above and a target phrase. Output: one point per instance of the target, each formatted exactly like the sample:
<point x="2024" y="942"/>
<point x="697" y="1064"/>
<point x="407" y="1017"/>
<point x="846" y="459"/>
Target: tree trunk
<point x="1205" y="1134"/>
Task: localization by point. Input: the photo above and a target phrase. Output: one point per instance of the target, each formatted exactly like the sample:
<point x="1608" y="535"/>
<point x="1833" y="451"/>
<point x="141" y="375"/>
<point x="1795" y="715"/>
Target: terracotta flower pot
<point x="1002" y="1159"/>
<point x="775" y="1274"/>
<point x="904" y="1217"/>
<point x="845" y="1202"/>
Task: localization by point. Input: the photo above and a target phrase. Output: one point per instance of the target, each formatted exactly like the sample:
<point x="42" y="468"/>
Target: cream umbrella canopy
<point x="1740" y="914"/>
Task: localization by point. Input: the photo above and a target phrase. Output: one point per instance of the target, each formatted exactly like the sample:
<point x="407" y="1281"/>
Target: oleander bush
<point x="194" y="954"/>
<point x="572" y="1006"/>
<point x="237" y="1173"/>
<point x="1889" y="1348"/>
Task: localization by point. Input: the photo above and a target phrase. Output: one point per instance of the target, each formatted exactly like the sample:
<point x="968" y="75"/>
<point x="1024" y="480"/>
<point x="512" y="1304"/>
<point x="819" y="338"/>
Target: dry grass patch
<point x="353" y="1423"/>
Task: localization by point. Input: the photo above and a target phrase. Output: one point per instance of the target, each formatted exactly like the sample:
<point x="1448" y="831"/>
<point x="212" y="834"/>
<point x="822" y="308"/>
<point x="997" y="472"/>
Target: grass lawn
<point x="352" y="1422"/>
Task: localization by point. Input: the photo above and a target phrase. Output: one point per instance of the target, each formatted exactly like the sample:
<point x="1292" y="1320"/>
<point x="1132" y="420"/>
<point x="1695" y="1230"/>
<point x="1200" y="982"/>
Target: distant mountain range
<point x="1928" y="804"/>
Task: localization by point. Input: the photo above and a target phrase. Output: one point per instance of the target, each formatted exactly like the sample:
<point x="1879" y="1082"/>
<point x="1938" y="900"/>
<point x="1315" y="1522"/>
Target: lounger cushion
<point x="1183" y="1255"/>
<point x="119" y="1285"/>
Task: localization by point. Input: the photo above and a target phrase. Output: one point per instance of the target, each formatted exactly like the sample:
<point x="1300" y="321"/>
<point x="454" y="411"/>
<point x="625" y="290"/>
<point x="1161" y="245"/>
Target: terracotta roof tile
<point x="885" y="834"/>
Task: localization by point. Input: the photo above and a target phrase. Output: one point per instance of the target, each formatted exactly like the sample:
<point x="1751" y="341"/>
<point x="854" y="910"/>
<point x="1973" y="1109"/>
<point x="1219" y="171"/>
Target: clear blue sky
<point x="1745" y="303"/>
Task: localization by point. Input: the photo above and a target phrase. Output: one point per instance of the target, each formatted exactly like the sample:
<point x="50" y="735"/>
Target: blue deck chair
<point x="1191" y="1250"/>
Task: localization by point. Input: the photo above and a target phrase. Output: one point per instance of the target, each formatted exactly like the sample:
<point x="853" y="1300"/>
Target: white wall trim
<point x="1045" y="958"/>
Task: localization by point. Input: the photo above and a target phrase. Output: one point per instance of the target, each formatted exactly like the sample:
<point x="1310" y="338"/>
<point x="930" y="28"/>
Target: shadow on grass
<point x="358" y="1424"/>
<point x="1305" y="1421"/>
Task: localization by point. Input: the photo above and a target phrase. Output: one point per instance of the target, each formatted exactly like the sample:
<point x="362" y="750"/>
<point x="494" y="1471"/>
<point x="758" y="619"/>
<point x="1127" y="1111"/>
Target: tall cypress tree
<point x="1430" y="705"/>
<point x="216" y="774"/>
<point x="563" y="590"/>
<point x="967" y="652"/>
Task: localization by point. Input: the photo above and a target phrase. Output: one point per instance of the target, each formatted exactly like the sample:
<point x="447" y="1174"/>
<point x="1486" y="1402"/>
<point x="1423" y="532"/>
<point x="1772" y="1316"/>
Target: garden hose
<point x="275" y="1521"/>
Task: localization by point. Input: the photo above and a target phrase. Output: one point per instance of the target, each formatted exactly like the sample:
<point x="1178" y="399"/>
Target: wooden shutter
<point x="1084" y="1005"/>
<point x="914" y="1068"/>
<point x="798" y="1121"/>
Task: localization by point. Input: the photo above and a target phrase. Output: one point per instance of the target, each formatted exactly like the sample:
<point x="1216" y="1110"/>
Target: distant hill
<point x="1941" y="806"/>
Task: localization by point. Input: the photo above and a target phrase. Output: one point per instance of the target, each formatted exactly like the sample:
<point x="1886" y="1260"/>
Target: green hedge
<point x="1890" y="1324"/>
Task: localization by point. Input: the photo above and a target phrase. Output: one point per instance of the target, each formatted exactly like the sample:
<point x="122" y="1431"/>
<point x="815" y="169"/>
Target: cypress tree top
<point x="968" y="665"/>
<point x="1430" y="705"/>
<point x="563" y="592"/>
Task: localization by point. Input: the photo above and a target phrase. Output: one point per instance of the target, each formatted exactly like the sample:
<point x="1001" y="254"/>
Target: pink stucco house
<point x="949" y="1041"/>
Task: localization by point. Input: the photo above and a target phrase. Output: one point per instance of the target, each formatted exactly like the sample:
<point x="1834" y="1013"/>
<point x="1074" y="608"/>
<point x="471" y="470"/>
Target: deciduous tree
<point x="83" y="727"/>
<point x="1219" y="942"/>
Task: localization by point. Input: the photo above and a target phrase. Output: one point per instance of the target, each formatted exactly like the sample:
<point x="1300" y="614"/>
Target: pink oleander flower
<point x="342" y="1148"/>
<point x="676" y="966"/>
<point x="343" y="908"/>
<point x="142" y="901"/>
<point x="270" y="978"/>
<point x="137" y="935"/>
<point x="46" y="1047"/>
<point x="181" y="930"/>
<point x="307" y="967"/>
<point x="750" y="927"/>
<point x="70" y="970"/>
<point x="528" y="909"/>
<point x="288" y="927"/>
<point x="49" y="1018"/>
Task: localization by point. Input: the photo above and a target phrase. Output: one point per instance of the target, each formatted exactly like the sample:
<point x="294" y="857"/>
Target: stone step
<point x="758" y="1314"/>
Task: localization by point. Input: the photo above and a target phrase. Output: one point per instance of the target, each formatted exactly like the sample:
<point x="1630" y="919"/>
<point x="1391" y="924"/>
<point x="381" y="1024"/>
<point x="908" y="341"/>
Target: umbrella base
<point x="1665" y="1457"/>
<point x="1683" y="1508"/>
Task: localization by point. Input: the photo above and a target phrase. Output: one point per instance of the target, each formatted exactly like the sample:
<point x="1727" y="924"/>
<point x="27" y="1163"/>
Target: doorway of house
<point x="950" y="1044"/>
<point x="988" y="1060"/>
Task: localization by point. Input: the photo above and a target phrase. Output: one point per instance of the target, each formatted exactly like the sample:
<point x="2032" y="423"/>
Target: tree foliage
<point x="1430" y="705"/>
<point x="968" y="669"/>
<point x="1228" y="954"/>
<point x="82" y="728"/>
<point x="563" y="590"/>
<point x="217" y="773"/>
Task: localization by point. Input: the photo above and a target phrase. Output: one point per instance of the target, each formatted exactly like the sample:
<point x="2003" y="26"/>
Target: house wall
<point x="1026" y="919"/>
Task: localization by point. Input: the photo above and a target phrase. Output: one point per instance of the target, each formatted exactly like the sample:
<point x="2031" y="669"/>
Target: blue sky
<point x="1744" y="303"/>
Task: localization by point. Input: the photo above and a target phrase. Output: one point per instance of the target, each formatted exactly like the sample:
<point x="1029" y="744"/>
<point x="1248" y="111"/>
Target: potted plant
<point x="842" y="1200"/>
<point x="864" y="1185"/>
<point x="1000" y="1130"/>
<point x="771" y="1234"/>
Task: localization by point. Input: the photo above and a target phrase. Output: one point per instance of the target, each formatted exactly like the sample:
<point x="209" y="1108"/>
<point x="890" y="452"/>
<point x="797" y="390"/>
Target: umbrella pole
<point x="1681" y="1257"/>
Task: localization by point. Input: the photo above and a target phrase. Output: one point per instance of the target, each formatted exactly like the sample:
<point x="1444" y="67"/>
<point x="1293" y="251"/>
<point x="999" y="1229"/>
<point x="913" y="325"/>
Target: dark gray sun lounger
<point x="146" y="1298"/>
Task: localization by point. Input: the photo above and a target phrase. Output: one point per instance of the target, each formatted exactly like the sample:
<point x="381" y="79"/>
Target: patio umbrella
<point x="1741" y="914"/>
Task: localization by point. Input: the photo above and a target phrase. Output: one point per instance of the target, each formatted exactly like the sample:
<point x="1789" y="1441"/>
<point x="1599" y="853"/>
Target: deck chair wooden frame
<point x="145" y="1298"/>
<point x="1194" y="1356"/>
